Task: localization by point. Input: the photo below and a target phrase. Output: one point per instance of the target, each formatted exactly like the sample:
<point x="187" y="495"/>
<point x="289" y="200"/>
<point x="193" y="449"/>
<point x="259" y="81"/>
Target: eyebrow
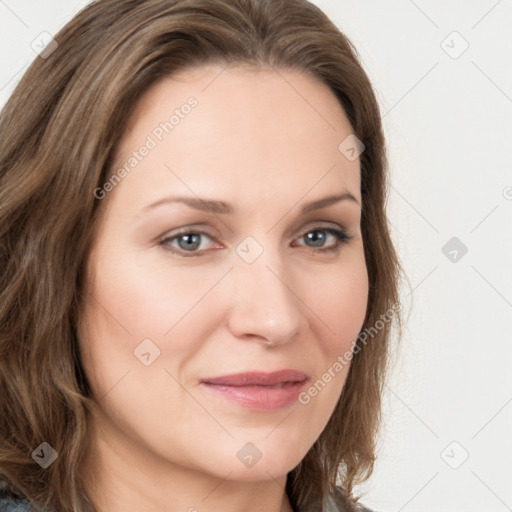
<point x="221" y="207"/>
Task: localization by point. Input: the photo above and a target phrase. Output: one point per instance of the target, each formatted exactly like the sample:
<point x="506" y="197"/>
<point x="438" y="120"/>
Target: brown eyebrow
<point x="221" y="207"/>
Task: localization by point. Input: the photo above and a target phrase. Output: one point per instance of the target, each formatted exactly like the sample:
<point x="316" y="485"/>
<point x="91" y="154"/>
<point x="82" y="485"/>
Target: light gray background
<point x="448" y="121"/>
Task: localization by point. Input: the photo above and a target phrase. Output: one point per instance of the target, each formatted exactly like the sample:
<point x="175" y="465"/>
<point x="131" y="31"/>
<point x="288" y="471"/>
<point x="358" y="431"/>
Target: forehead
<point x="249" y="129"/>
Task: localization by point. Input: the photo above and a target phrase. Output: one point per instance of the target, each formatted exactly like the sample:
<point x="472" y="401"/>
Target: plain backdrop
<point x="443" y="78"/>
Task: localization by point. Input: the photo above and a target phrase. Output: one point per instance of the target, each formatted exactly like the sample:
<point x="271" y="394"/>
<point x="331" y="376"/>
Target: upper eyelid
<point x="198" y="228"/>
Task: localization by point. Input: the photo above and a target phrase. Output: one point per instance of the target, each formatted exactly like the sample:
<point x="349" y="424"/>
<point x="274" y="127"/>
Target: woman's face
<point x="241" y="276"/>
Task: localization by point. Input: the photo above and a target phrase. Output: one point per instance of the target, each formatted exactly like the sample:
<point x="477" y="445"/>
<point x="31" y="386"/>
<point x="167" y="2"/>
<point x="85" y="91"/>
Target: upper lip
<point x="257" y="378"/>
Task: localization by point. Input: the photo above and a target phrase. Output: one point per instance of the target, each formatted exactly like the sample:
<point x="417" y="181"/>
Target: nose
<point x="266" y="303"/>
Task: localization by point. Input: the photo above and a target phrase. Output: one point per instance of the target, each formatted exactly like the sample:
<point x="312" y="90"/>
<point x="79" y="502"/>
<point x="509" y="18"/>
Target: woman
<point x="198" y="281"/>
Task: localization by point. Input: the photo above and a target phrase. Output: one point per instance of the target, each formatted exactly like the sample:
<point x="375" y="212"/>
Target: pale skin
<point x="266" y="142"/>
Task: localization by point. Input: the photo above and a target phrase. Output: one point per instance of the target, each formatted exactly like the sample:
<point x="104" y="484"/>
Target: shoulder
<point x="336" y="501"/>
<point x="361" y="508"/>
<point x="13" y="505"/>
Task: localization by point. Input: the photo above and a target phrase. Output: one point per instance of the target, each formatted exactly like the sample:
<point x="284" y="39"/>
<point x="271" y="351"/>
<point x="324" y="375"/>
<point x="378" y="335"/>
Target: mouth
<point x="258" y="378"/>
<point x="258" y="390"/>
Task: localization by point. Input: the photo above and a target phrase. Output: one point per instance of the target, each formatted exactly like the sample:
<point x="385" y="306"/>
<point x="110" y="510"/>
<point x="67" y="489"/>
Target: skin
<point x="266" y="142"/>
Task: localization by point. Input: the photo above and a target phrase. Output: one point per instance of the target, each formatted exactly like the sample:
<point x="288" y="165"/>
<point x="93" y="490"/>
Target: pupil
<point x="314" y="237"/>
<point x="192" y="241"/>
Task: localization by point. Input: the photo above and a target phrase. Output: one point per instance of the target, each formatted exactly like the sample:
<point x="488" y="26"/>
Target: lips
<point x="258" y="390"/>
<point x="258" y="378"/>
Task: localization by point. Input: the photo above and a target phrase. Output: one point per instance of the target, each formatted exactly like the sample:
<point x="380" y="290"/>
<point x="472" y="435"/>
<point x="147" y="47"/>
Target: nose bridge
<point x="265" y="302"/>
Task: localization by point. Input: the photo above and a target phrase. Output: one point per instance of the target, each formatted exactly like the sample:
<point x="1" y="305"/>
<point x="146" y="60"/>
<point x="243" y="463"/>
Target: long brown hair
<point x="58" y="135"/>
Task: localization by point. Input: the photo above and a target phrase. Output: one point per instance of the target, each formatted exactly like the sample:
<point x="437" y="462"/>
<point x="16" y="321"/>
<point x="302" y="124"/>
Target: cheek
<point x="137" y="297"/>
<point x="145" y="296"/>
<point x="341" y="302"/>
<point x="339" y="312"/>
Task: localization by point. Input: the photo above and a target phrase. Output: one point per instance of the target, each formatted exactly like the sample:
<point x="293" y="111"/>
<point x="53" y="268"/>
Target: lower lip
<point x="263" y="398"/>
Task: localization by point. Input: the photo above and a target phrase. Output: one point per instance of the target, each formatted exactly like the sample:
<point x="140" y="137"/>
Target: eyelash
<point x="341" y="236"/>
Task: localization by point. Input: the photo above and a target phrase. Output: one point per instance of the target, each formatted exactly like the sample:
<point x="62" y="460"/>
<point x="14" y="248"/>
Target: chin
<point x="261" y="471"/>
<point x="256" y="461"/>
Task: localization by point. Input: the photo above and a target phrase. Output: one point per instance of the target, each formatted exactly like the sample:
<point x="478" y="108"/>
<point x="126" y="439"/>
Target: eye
<point x="187" y="241"/>
<point x="318" y="235"/>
